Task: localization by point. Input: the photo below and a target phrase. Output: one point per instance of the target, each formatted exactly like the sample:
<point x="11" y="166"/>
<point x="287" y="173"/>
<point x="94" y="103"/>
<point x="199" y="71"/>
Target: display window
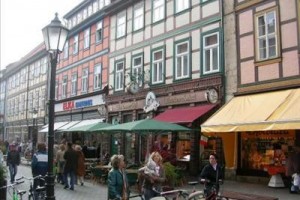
<point x="262" y="149"/>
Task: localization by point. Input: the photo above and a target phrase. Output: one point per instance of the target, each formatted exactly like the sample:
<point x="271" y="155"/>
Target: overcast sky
<point x="22" y="22"/>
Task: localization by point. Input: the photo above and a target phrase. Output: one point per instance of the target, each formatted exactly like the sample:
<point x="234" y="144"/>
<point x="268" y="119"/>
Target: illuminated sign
<point x="79" y="104"/>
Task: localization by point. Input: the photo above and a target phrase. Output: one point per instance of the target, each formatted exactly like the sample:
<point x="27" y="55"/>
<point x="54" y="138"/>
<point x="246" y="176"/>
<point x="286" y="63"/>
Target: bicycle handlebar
<point x="12" y="185"/>
<point x="32" y="178"/>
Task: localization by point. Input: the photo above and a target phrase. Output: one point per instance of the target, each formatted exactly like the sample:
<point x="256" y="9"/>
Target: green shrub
<point x="173" y="178"/>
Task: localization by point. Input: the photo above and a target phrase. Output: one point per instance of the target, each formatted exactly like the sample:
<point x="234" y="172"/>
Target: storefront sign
<point x="182" y="98"/>
<point x="80" y="104"/>
<point x="125" y="106"/>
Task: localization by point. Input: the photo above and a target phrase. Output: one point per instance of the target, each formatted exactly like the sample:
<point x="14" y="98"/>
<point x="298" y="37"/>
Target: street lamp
<point x="33" y="131"/>
<point x="55" y="35"/>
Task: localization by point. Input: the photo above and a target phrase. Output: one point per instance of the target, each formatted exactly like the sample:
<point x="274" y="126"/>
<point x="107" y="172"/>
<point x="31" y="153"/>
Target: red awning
<point x="184" y="115"/>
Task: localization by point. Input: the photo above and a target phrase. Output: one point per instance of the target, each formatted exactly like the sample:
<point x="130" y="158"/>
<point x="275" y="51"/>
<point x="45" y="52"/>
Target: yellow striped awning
<point x="278" y="110"/>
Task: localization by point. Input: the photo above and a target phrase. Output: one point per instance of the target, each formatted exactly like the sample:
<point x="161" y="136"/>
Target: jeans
<point x="13" y="169"/>
<point x="149" y="193"/>
<point x="72" y="179"/>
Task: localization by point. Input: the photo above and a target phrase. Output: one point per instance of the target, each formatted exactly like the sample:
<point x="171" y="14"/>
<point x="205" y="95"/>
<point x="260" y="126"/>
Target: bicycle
<point x="38" y="193"/>
<point x="171" y="195"/>
<point x="210" y="193"/>
<point x="17" y="194"/>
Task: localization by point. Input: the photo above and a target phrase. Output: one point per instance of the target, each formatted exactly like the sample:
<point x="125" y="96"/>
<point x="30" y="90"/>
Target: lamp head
<point x="55" y="35"/>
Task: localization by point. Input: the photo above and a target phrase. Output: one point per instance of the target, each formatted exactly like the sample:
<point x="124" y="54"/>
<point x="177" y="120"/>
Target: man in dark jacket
<point x="13" y="160"/>
<point x="71" y="158"/>
<point x="211" y="174"/>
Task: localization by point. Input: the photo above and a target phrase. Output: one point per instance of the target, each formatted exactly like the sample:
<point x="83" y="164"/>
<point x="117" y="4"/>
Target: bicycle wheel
<point x="198" y="195"/>
<point x="182" y="196"/>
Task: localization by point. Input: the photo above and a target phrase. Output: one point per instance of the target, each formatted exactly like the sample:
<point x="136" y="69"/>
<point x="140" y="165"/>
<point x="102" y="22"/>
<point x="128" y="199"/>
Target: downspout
<point x="27" y="91"/>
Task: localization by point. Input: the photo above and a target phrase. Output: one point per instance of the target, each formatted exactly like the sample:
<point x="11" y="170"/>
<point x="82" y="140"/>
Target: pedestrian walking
<point x="81" y="166"/>
<point x="152" y="183"/>
<point x="60" y="162"/>
<point x="70" y="169"/>
<point x="118" y="187"/>
<point x="13" y="160"/>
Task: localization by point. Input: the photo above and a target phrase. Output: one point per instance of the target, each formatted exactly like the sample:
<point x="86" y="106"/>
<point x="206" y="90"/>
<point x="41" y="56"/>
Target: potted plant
<point x="173" y="178"/>
<point x="3" y="181"/>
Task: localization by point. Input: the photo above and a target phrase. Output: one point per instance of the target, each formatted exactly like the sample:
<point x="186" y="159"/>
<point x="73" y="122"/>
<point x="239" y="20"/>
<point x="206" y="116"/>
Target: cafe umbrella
<point x="89" y="128"/>
<point x="145" y="126"/>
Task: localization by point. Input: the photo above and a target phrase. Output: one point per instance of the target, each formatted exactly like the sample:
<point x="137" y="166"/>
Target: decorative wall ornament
<point x="151" y="102"/>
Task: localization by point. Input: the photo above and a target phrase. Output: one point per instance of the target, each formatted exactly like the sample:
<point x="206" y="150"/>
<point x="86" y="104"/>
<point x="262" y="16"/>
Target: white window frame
<point x="37" y="68"/>
<point x="95" y="6"/>
<point x="137" y="70"/>
<point x="66" y="50"/>
<point x="100" y="4"/>
<point x="86" y="43"/>
<point x="158" y="12"/>
<point x="121" y="25"/>
<point x="138" y="17"/>
<point x="210" y="49"/>
<point x="18" y="78"/>
<point x="74" y="84"/>
<point x="44" y="65"/>
<point x="64" y="87"/>
<point x="182" y="56"/>
<point x="119" y="75"/>
<point x="30" y="101"/>
<point x="97" y="76"/>
<point x="155" y="67"/>
<point x="90" y="10"/>
<point x="17" y="105"/>
<point x="99" y="32"/>
<point x="84" y="80"/>
<point x="266" y="36"/>
<point x="107" y="2"/>
<point x="84" y="15"/>
<point x="181" y="5"/>
<point x="74" y="21"/>
<point x="75" y="44"/>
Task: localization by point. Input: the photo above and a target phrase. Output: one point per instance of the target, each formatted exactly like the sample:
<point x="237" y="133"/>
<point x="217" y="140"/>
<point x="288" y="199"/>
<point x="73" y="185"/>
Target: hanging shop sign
<point x="151" y="102"/>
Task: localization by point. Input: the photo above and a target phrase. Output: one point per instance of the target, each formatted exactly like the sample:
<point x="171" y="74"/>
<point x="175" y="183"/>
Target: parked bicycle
<point x="38" y="192"/>
<point x="209" y="193"/>
<point x="172" y="195"/>
<point x="16" y="194"/>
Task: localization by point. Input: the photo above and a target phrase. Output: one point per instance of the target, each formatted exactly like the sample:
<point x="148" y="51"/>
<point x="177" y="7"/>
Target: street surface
<point x="99" y="191"/>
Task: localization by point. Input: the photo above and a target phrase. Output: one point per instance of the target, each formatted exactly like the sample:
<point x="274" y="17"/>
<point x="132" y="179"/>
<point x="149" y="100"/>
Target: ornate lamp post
<point x="55" y="35"/>
<point x="33" y="130"/>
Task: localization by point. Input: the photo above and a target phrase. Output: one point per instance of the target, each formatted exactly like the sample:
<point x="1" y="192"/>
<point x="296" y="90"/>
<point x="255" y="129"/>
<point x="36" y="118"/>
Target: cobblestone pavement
<point x="99" y="191"/>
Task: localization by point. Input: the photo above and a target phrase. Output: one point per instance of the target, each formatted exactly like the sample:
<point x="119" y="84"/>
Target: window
<point x="42" y="99"/>
<point x="36" y="100"/>
<point x="75" y="44"/>
<point x="182" y="60"/>
<point x="95" y="6"/>
<point x="211" y="53"/>
<point x="17" y="106"/>
<point x="181" y="5"/>
<point x="119" y="76"/>
<point x="23" y="76"/>
<point x="121" y="25"/>
<point x="22" y="104"/>
<point x="74" y="85"/>
<point x="84" y="16"/>
<point x="30" y="101"/>
<point x="107" y="2"/>
<point x="90" y="10"/>
<point x="99" y="31"/>
<point x="138" y="17"/>
<point x="74" y="21"/>
<point x="157" y="66"/>
<point x="44" y="66"/>
<point x="12" y="107"/>
<point x="87" y="38"/>
<point x="267" y="39"/>
<point x="18" y="75"/>
<point x="101" y="4"/>
<point x="13" y="81"/>
<point x="56" y="89"/>
<point x="97" y="77"/>
<point x="84" y="81"/>
<point x="137" y="69"/>
<point x="64" y="87"/>
<point x="158" y="10"/>
<point x="37" y="68"/>
<point x="66" y="50"/>
<point x="79" y="17"/>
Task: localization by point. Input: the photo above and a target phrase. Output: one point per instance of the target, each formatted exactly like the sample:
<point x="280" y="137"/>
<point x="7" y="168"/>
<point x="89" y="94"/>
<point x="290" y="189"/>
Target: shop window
<point x="262" y="149"/>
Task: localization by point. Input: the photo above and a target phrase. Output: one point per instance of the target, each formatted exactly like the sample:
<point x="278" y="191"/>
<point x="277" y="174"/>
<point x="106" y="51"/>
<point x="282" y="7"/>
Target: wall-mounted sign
<point x="151" y="102"/>
<point x="79" y="104"/>
<point x="212" y="95"/>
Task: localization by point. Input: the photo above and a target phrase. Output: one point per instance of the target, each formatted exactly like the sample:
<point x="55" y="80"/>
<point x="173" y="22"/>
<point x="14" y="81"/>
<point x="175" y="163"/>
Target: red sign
<point x="68" y="105"/>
